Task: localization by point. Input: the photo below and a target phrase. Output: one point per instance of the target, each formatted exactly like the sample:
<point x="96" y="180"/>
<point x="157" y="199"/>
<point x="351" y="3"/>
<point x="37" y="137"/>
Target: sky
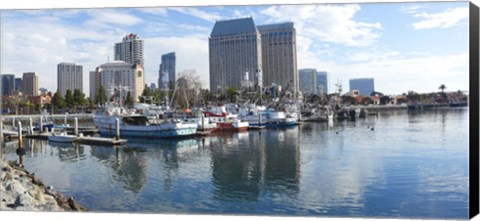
<point x="403" y="46"/>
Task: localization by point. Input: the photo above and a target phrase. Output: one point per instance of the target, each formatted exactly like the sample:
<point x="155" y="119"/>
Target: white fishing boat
<point x="62" y="137"/>
<point x="225" y="121"/>
<point x="280" y="118"/>
<point x="137" y="125"/>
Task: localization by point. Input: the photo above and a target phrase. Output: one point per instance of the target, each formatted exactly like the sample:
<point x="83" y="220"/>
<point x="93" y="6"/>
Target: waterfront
<point x="412" y="164"/>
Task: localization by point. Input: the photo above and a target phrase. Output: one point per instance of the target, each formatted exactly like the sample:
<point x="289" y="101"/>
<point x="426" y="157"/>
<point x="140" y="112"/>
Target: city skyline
<point x="404" y="46"/>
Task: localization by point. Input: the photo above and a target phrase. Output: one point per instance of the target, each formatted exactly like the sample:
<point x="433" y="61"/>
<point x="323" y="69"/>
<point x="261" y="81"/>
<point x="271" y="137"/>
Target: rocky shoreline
<point x="23" y="191"/>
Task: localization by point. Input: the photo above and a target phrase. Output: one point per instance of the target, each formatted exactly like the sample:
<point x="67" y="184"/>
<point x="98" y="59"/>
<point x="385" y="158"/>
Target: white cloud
<point x="113" y="17"/>
<point x="410" y="9"/>
<point x="328" y="23"/>
<point x="208" y="16"/>
<point x="39" y="43"/>
<point x="446" y="19"/>
<point x="155" y="11"/>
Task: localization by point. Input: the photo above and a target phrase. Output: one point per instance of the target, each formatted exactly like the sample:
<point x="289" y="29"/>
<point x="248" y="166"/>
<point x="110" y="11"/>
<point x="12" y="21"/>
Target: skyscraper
<point x="365" y="86"/>
<point x="69" y="77"/>
<point x="234" y="49"/>
<point x="95" y="82"/>
<point x="30" y="84"/>
<point x="279" y="55"/>
<point x="308" y="81"/>
<point x="120" y="73"/>
<point x="18" y="85"/>
<point x="322" y="82"/>
<point x="130" y="50"/>
<point x="167" y="67"/>
<point x="8" y="84"/>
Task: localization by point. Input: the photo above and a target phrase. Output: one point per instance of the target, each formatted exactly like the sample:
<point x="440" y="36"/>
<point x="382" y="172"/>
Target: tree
<point x="232" y="94"/>
<point x="442" y="88"/>
<point x="69" y="99"/>
<point x="188" y="87"/>
<point x="28" y="104"/>
<point x="129" y="100"/>
<point x="101" y="96"/>
<point x="145" y="93"/>
<point x="385" y="100"/>
<point x="78" y="98"/>
<point x="376" y="93"/>
<point x="413" y="96"/>
<point x="58" y="101"/>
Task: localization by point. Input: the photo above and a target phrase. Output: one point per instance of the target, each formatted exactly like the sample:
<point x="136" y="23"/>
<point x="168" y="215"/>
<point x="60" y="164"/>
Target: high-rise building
<point x="279" y="55"/>
<point x="30" y="84"/>
<point x="120" y="73"/>
<point x="69" y="77"/>
<point x="167" y="67"/>
<point x="18" y="85"/>
<point x="95" y="82"/>
<point x="8" y="84"/>
<point x="153" y="87"/>
<point x="234" y="49"/>
<point x="308" y="81"/>
<point x="322" y="82"/>
<point x="365" y="86"/>
<point x="130" y="50"/>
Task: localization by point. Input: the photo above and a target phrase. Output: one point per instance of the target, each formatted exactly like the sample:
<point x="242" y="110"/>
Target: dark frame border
<point x="474" y="112"/>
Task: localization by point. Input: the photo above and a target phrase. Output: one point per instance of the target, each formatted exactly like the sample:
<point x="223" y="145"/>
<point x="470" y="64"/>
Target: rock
<point x="74" y="205"/>
<point x="21" y="190"/>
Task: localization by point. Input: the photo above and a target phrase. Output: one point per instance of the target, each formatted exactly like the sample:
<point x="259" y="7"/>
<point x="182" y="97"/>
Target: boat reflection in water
<point x="257" y="165"/>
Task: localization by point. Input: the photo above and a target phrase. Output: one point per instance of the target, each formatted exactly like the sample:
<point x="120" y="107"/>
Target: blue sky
<point x="404" y="46"/>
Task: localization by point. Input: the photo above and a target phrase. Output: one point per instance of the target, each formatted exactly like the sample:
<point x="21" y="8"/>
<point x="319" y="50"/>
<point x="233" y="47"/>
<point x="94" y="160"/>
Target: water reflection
<point x="262" y="162"/>
<point x="128" y="168"/>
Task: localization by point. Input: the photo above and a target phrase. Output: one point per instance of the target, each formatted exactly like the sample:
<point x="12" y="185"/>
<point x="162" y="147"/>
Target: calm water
<point x="412" y="165"/>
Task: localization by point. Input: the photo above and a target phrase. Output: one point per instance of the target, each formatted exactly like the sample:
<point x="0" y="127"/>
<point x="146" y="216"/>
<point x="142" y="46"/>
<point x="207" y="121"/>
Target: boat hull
<point x="107" y="127"/>
<point x="61" y="138"/>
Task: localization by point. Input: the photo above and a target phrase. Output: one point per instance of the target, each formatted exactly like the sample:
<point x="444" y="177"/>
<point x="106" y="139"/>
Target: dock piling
<point x="1" y="129"/>
<point x="65" y="120"/>
<point x="13" y="122"/>
<point x="19" y="131"/>
<point x="30" y="128"/>
<point x="41" y="124"/>
<point x="117" y="127"/>
<point x="259" y="119"/>
<point x="76" y="126"/>
<point x="203" y="123"/>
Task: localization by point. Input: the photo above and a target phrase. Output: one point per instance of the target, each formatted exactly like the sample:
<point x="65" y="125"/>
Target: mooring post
<point x="19" y="131"/>
<point x="30" y="124"/>
<point x="41" y="124"/>
<point x="65" y="120"/>
<point x="117" y="127"/>
<point x="76" y="126"/>
<point x="1" y="130"/>
<point x="13" y="122"/>
<point x="203" y="122"/>
<point x="259" y="119"/>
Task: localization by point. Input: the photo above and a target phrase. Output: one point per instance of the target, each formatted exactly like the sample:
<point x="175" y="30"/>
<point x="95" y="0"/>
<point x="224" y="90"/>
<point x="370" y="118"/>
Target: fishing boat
<point x="62" y="137"/>
<point x="277" y="118"/>
<point x="225" y="121"/>
<point x="132" y="124"/>
<point x="253" y="114"/>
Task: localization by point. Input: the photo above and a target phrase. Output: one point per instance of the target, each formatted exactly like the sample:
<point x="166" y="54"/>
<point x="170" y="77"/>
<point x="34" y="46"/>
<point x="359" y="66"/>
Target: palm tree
<point x="442" y="87"/>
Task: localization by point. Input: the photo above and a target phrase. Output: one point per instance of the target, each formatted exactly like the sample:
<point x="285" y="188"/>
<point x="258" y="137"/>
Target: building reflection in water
<point x="247" y="165"/>
<point x="128" y="168"/>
